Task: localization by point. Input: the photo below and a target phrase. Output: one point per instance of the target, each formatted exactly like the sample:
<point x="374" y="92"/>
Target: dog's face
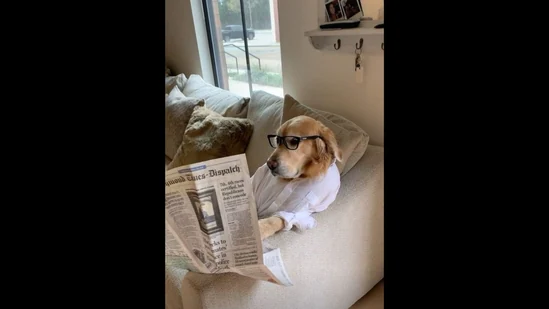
<point x="312" y="157"/>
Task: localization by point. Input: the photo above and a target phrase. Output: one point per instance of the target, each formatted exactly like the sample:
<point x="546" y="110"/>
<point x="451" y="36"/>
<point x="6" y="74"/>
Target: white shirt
<point x="294" y="201"/>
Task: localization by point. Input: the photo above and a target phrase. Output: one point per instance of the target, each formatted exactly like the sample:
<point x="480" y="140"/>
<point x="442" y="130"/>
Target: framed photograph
<point x="351" y="9"/>
<point x="333" y="10"/>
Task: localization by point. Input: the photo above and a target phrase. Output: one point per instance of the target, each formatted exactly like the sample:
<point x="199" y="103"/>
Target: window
<point x="244" y="61"/>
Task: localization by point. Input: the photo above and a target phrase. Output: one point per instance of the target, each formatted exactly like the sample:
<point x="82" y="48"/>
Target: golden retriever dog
<point x="299" y="178"/>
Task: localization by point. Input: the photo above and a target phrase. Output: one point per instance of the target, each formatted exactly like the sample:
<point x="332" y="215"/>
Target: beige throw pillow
<point x="218" y="100"/>
<point x="209" y="136"/>
<point x="179" y="109"/>
<point x="348" y="137"/>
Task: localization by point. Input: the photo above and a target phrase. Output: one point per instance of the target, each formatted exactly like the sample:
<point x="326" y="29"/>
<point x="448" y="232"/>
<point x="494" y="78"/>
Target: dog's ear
<point x="327" y="147"/>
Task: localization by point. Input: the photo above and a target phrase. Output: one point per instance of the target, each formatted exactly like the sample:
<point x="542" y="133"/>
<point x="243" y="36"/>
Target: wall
<point x="372" y="8"/>
<point x="186" y="42"/>
<point x="326" y="80"/>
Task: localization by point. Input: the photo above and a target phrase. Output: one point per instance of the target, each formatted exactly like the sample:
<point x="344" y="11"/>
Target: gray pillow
<point x="351" y="139"/>
<point x="348" y="125"/>
<point x="179" y="109"/>
<point x="223" y="102"/>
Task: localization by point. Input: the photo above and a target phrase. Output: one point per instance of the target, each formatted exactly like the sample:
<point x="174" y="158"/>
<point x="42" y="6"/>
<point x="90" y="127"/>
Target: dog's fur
<point x="311" y="159"/>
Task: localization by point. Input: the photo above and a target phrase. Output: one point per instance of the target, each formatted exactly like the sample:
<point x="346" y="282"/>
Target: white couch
<point x="331" y="266"/>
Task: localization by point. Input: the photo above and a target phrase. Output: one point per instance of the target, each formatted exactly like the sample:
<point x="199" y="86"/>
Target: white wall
<point x="372" y="8"/>
<point x="325" y="79"/>
<point x="186" y="39"/>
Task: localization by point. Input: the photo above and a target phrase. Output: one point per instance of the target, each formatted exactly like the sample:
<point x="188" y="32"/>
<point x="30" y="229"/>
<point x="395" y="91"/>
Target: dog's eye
<point x="292" y="142"/>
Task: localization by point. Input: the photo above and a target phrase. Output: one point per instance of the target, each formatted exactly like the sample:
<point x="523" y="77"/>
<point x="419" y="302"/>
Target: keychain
<point x="358" y="65"/>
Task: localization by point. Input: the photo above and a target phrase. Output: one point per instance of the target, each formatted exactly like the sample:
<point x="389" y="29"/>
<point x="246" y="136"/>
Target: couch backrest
<point x="265" y="111"/>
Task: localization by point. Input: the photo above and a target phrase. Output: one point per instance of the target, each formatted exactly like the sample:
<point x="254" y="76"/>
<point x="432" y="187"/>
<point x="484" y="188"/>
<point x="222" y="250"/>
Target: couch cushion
<point x="179" y="109"/>
<point x="350" y="137"/>
<point x="210" y="136"/>
<point x="265" y="111"/>
<point x="172" y="81"/>
<point x="219" y="100"/>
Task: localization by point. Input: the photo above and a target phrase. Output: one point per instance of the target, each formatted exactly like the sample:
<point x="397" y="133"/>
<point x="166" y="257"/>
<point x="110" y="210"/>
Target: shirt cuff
<point x="301" y="220"/>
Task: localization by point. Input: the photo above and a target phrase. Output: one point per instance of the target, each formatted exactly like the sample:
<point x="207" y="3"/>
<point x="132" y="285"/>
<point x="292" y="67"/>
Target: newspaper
<point x="212" y="225"/>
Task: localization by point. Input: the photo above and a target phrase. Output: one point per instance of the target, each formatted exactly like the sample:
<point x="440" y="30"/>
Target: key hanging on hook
<point x="358" y="52"/>
<point x="358" y="65"/>
<point x="358" y="62"/>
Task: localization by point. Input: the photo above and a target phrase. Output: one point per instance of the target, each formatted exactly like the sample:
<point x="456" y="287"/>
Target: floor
<point x="372" y="300"/>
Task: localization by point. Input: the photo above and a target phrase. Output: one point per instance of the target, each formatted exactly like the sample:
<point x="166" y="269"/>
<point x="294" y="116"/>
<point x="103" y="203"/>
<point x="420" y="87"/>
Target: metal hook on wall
<point x="359" y="46"/>
<point x="338" y="44"/>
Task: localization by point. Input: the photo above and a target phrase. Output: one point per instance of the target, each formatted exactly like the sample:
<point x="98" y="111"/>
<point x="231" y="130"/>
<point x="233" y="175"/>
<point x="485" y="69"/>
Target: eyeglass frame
<point x="283" y="139"/>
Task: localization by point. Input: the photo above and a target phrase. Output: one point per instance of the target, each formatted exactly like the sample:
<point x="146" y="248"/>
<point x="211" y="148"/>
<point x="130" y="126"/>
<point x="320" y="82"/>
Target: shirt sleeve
<point x="257" y="180"/>
<point x="316" y="200"/>
<point x="302" y="218"/>
<point x="325" y="202"/>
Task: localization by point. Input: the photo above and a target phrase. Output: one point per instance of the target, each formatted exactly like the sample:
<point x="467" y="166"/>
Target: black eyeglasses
<point x="291" y="142"/>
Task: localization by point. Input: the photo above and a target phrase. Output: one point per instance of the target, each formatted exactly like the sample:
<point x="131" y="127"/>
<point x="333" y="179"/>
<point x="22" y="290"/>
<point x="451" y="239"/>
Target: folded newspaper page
<point x="212" y="225"/>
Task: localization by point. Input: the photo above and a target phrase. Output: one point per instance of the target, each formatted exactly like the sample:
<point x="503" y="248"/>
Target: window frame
<point x="213" y="41"/>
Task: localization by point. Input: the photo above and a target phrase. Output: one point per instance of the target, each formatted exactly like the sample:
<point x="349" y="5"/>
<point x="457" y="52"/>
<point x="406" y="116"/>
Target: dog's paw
<point x="264" y="229"/>
<point x="269" y="226"/>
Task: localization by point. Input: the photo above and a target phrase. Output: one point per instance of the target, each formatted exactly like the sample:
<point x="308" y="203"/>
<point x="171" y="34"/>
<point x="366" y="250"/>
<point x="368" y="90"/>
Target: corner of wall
<point x="186" y="46"/>
<point x="202" y="42"/>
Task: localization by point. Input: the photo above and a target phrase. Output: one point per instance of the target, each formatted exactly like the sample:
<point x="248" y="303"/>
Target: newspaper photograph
<point x="212" y="225"/>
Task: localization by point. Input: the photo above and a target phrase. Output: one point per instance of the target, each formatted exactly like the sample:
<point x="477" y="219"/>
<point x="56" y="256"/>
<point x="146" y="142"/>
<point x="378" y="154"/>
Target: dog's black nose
<point x="272" y="164"/>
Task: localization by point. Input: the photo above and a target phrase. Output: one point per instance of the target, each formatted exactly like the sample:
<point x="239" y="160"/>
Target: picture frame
<point x="333" y="10"/>
<point x="338" y="10"/>
<point x="352" y="9"/>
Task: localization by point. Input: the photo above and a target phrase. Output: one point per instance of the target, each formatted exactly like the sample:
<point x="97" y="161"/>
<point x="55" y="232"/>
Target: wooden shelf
<point x="358" y="31"/>
<point x="348" y="38"/>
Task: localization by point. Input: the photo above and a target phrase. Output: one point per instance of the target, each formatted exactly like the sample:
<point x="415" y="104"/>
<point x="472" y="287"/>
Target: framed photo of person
<point x="334" y="11"/>
<point x="352" y="9"/>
